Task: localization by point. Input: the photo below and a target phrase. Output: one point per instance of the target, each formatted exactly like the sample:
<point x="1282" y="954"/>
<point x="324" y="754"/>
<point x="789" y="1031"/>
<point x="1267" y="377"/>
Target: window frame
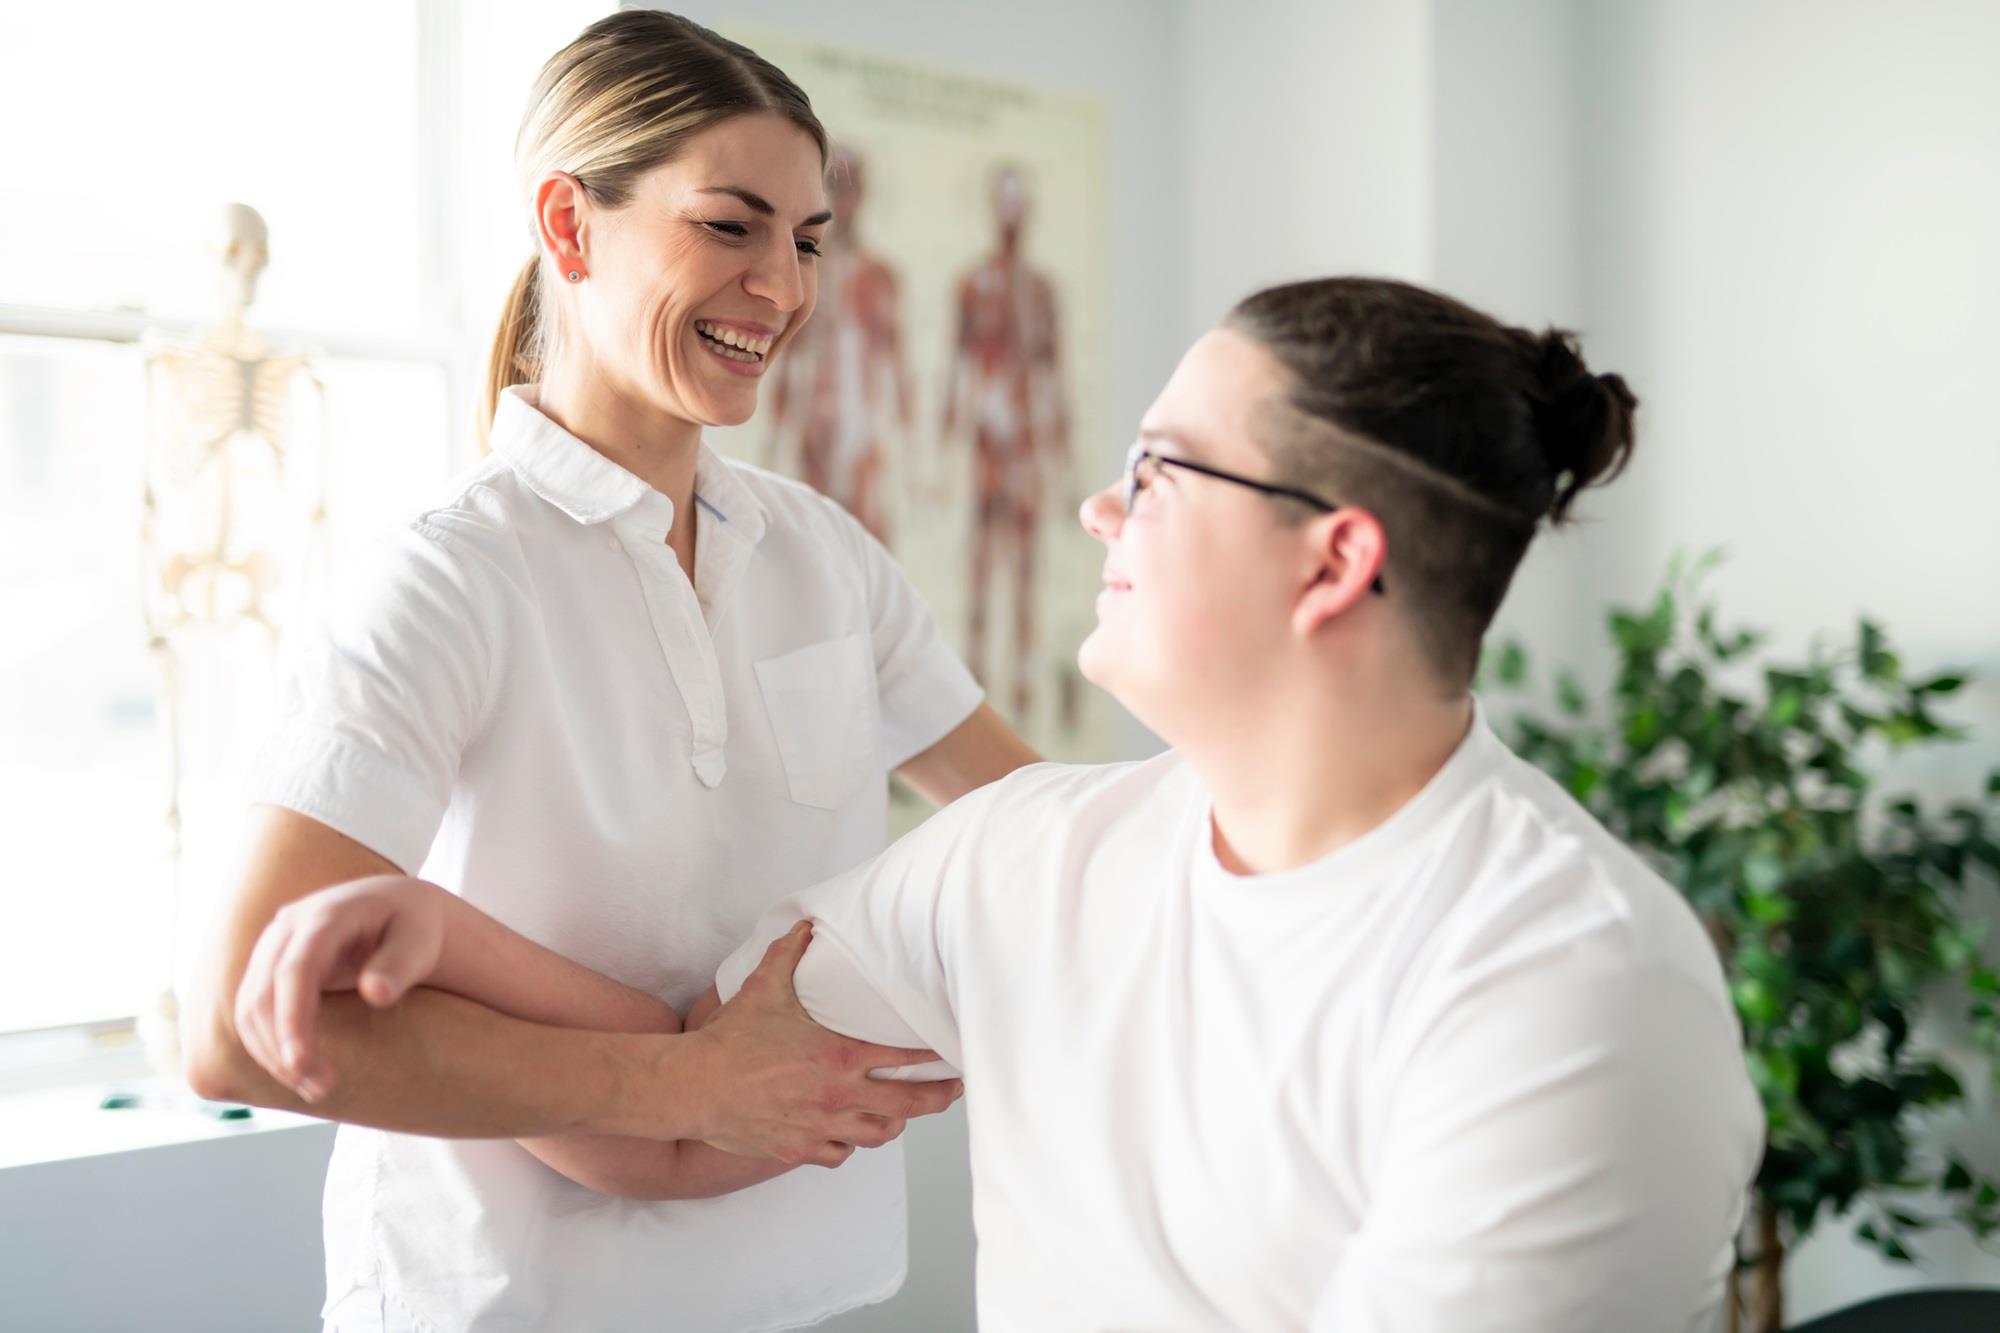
<point x="93" y="1051"/>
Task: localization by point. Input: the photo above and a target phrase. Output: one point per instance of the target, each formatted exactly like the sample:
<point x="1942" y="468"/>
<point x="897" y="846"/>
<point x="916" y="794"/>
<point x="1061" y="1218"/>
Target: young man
<point x="1337" y="1015"/>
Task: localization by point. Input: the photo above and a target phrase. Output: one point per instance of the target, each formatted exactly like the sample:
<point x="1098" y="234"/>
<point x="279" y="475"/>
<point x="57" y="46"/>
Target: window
<point x="375" y="139"/>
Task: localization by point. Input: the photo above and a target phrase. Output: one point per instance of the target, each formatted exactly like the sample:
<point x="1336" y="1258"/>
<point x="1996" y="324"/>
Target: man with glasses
<point x="1336" y="1015"/>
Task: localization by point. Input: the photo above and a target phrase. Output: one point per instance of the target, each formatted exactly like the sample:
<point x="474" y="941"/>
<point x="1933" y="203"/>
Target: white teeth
<point x="754" y="348"/>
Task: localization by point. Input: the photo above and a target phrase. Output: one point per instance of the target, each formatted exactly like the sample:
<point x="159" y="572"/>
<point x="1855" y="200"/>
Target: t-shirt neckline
<point x="1468" y="766"/>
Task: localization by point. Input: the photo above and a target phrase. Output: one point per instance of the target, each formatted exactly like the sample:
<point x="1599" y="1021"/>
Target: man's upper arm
<point x="880" y="965"/>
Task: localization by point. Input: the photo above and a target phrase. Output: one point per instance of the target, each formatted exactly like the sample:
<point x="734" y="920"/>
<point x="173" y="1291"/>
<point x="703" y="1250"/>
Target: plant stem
<point x="1767" y="1298"/>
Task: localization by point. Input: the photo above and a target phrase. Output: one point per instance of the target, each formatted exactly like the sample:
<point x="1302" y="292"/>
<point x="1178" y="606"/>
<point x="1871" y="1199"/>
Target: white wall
<point x="1791" y="236"/>
<point x="216" y="1236"/>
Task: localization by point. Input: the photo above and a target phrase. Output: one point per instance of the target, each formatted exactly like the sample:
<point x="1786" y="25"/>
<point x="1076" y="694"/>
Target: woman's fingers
<point x="253" y="999"/>
<point x="829" y="1154"/>
<point x="893" y="1057"/>
<point x="301" y="973"/>
<point x="871" y="1131"/>
<point x="780" y="960"/>
<point x="907" y="1101"/>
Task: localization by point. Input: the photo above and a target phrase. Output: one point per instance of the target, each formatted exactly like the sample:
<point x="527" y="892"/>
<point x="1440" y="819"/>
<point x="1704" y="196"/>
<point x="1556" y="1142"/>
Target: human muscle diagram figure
<point x="1006" y="390"/>
<point x="843" y="387"/>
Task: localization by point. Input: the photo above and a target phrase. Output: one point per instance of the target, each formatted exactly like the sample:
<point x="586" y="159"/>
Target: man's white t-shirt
<point x="1477" y="1070"/>
<point x="528" y="698"/>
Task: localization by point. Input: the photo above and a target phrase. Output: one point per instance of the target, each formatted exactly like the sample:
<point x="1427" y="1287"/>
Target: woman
<point x="622" y="695"/>
<point x="1337" y="1016"/>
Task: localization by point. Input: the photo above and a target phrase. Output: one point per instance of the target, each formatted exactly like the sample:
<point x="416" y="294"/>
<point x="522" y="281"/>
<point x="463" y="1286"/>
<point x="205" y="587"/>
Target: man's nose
<point x="1103" y="514"/>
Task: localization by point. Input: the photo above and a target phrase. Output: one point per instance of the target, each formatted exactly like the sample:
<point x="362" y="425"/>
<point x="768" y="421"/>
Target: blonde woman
<point x="622" y="695"/>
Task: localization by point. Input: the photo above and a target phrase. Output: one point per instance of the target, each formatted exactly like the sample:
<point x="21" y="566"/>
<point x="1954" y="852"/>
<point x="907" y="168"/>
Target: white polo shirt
<point x="1477" y="1070"/>
<point x="528" y="700"/>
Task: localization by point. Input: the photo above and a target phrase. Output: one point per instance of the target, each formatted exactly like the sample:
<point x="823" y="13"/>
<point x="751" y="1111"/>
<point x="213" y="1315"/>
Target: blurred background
<point x="1780" y="221"/>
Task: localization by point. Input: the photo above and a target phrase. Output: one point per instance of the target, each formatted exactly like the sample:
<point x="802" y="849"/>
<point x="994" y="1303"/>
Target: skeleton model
<point x="1006" y="385"/>
<point x="222" y="498"/>
<point x="843" y="377"/>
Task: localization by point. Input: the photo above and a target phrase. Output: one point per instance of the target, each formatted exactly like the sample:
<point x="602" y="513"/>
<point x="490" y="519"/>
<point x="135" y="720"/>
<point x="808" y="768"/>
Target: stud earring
<point x="574" y="276"/>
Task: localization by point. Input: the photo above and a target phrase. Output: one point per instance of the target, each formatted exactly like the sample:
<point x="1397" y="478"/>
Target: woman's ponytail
<point x="516" y="356"/>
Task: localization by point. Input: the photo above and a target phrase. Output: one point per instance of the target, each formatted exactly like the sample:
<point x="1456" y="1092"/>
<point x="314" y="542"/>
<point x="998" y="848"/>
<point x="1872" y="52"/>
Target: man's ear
<point x="1346" y="551"/>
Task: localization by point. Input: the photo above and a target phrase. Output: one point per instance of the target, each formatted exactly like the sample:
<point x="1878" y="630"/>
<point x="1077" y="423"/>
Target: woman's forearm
<point x="486" y="961"/>
<point x="632" y="1168"/>
<point x="499" y="967"/>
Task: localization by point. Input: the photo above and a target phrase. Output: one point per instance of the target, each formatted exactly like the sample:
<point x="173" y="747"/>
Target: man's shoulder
<point x="1042" y="808"/>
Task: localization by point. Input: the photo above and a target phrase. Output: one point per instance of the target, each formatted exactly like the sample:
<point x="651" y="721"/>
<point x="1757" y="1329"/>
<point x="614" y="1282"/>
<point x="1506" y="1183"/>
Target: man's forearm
<point x="439" y="1064"/>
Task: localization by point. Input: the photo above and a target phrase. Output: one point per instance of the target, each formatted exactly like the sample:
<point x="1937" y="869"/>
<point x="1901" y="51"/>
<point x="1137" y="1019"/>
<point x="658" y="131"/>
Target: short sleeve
<point x="924" y="688"/>
<point x="879" y="967"/>
<point x="384" y="697"/>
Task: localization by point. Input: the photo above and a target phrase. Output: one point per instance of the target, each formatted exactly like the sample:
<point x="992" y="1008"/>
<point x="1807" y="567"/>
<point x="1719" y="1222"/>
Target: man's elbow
<point x="213" y="1061"/>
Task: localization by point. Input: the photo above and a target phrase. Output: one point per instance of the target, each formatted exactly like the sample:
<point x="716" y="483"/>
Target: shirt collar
<point x="557" y="466"/>
<point x="590" y="488"/>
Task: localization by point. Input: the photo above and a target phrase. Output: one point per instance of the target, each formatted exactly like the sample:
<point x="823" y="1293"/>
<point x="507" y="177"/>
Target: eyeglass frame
<point x="1139" y="453"/>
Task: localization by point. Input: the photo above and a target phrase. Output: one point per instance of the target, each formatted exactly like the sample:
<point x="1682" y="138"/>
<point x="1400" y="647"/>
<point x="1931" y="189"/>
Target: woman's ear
<point x="561" y="214"/>
<point x="1346" y="551"/>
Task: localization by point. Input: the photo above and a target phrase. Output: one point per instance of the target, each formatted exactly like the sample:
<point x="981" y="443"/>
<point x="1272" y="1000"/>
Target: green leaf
<point x="1569" y="695"/>
<point x="1763" y="872"/>
<point x="1768" y="909"/>
<point x="1957" y="1178"/>
<point x="1512" y="666"/>
<point x="1775" y="1074"/>
<point x="1878" y="663"/>
<point x="1756" y="1002"/>
<point x="1785" y="708"/>
<point x="1949" y="683"/>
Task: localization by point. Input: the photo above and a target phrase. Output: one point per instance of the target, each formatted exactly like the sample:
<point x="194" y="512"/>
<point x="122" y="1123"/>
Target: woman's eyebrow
<point x="756" y="203"/>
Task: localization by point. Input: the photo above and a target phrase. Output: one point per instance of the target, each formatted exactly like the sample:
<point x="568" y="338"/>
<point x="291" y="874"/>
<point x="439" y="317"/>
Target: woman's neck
<point x="660" y="449"/>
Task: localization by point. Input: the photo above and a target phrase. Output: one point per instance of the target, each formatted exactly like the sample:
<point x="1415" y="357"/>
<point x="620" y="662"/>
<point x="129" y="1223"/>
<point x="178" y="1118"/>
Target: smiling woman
<point x="620" y="694"/>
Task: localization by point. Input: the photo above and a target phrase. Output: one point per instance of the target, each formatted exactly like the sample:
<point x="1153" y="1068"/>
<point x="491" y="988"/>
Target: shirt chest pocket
<point x="823" y="711"/>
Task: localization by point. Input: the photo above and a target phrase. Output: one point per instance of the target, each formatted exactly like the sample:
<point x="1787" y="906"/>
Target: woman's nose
<point x="1103" y="514"/>
<point x="780" y="279"/>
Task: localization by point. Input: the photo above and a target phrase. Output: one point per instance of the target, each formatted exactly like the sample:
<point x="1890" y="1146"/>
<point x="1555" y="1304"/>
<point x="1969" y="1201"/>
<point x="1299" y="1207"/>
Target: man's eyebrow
<point x="756" y="203"/>
<point x="1183" y="447"/>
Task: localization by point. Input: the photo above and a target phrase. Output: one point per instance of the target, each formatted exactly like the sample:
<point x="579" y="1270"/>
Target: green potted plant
<point x="1841" y="915"/>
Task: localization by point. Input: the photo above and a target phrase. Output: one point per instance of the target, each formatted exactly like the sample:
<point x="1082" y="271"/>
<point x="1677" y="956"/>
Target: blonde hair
<point x="620" y="100"/>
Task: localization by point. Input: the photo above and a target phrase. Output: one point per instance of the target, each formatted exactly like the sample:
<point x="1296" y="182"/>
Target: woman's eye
<point x="736" y="229"/>
<point x="810" y="248"/>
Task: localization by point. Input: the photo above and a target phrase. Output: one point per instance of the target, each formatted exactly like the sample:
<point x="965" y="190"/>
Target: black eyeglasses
<point x="1139" y="455"/>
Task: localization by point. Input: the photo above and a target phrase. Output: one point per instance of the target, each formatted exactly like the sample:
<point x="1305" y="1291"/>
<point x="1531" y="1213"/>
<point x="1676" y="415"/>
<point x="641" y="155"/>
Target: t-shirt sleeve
<point x="1567" y="1149"/>
<point x="384" y="697"/>
<point x="880" y="966"/>
<point x="924" y="688"/>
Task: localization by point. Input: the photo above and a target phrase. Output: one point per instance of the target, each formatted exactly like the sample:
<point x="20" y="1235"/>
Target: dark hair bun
<point x="1583" y="421"/>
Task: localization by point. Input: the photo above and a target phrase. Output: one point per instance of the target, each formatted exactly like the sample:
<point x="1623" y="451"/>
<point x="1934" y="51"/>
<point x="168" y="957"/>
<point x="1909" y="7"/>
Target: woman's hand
<point x="703" y="1009"/>
<point x="378" y="936"/>
<point x="773" y="1083"/>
